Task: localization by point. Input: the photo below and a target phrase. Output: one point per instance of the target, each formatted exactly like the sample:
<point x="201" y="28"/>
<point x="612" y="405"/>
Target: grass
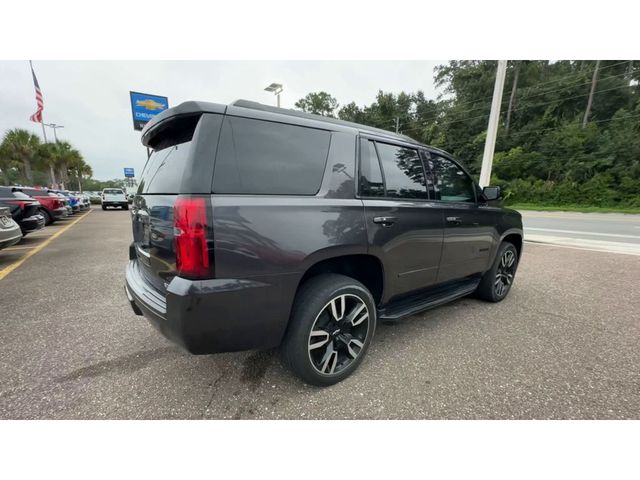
<point x="573" y="208"/>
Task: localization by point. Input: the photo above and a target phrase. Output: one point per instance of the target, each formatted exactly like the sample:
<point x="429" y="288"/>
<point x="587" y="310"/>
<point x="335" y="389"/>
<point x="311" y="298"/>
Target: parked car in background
<point x="114" y="197"/>
<point x="25" y="210"/>
<point x="52" y="208"/>
<point x="64" y="199"/>
<point x="256" y="226"/>
<point x="95" y="197"/>
<point x="74" y="202"/>
<point x="10" y="232"/>
<point x="83" y="198"/>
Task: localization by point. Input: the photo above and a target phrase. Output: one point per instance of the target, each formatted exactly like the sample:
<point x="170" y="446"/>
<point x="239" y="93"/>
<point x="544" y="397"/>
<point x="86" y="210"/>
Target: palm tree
<point x="19" y="147"/>
<point x="49" y="157"/>
<point x="77" y="166"/>
<point x="64" y="149"/>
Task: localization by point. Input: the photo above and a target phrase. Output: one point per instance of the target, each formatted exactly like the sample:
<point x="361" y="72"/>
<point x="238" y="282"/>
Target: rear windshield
<point x="260" y="157"/>
<point x="164" y="169"/>
<point x="113" y="191"/>
<point x="21" y="195"/>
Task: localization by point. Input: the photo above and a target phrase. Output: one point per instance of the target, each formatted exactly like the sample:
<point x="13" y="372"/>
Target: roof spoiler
<point x="164" y="120"/>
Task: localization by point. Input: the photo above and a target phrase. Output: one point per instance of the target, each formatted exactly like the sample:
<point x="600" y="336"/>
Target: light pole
<point x="55" y="127"/>
<point x="55" y="135"/>
<point x="276" y="89"/>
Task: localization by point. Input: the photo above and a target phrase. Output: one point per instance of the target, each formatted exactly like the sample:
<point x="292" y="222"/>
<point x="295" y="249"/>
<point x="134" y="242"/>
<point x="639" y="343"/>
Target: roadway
<point x="563" y="345"/>
<point x="598" y="231"/>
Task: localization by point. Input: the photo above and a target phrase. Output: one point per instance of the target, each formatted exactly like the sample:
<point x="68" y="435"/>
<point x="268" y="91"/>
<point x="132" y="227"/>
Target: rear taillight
<point x="23" y="203"/>
<point x="190" y="233"/>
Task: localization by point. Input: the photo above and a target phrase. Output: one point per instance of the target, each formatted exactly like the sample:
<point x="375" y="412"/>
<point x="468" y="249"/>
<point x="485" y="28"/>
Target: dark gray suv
<point x="256" y="226"/>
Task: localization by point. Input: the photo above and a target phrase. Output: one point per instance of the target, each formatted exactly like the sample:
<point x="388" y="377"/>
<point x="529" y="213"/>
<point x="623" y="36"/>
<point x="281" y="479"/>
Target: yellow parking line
<point x="6" y="271"/>
<point x="17" y="248"/>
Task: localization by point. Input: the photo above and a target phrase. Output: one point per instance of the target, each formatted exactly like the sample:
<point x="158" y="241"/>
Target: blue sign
<point x="144" y="107"/>
<point x="128" y="173"/>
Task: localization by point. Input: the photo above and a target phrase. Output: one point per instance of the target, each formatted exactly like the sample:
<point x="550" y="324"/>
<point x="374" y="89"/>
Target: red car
<point x="52" y="208"/>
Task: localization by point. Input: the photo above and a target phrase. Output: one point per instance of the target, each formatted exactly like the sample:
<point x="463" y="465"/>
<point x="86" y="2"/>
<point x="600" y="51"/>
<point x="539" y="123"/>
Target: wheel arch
<point x="515" y="238"/>
<point x="363" y="267"/>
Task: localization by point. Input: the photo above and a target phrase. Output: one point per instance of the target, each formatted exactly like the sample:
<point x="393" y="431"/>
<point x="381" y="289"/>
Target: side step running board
<point x="439" y="296"/>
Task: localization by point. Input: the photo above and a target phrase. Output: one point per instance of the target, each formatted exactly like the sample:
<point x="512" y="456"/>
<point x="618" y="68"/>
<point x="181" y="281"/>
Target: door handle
<point x="454" y="220"/>
<point x="385" y="221"/>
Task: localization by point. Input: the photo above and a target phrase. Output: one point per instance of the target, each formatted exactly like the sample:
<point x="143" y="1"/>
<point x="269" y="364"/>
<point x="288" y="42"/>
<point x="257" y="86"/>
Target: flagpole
<point x="44" y="134"/>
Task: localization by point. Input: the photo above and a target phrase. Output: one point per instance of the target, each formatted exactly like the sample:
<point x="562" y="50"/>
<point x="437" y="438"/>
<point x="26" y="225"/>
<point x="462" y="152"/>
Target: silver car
<point x="10" y="232"/>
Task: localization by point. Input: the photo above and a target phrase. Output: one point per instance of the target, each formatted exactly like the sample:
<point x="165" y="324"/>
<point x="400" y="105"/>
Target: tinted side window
<point x="164" y="169"/>
<point x="451" y="182"/>
<point x="259" y="157"/>
<point x="403" y="171"/>
<point x="371" y="184"/>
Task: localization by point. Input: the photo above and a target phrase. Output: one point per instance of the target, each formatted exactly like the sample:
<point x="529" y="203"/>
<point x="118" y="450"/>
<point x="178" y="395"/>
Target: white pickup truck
<point x="114" y="197"/>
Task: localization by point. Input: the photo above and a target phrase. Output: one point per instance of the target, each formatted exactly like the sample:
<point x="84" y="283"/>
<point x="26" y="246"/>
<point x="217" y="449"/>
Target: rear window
<point x="33" y="192"/>
<point x="113" y="191"/>
<point x="164" y="169"/>
<point x="260" y="157"/>
<point x="21" y="196"/>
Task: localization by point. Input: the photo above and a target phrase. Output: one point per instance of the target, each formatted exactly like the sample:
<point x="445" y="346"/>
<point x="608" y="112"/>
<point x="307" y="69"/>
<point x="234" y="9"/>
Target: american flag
<point x="37" y="117"/>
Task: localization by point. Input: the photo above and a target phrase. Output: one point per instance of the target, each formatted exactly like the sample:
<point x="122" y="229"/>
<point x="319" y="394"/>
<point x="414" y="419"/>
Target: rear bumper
<point x="59" y="213"/>
<point x="10" y="236"/>
<point x="210" y="316"/>
<point x="115" y="204"/>
<point x="35" y="222"/>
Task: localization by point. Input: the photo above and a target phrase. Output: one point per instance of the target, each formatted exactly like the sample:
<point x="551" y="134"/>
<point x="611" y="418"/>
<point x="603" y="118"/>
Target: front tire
<point x="497" y="281"/>
<point x="48" y="219"/>
<point x="103" y="207"/>
<point x="332" y="323"/>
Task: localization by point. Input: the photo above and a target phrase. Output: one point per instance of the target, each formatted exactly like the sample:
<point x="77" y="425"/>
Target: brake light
<point x="23" y="203"/>
<point x="190" y="233"/>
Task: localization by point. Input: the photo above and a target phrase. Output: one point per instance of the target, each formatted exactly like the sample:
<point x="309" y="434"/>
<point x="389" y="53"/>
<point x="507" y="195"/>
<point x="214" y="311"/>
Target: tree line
<point x="569" y="131"/>
<point x="25" y="160"/>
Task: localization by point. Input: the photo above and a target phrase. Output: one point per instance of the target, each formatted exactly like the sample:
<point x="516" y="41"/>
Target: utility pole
<point x="492" y="128"/>
<point x="594" y="80"/>
<point x="397" y="124"/>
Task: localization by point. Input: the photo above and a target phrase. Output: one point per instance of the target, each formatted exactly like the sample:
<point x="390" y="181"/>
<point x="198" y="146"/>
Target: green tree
<point x="320" y="103"/>
<point x="18" y="150"/>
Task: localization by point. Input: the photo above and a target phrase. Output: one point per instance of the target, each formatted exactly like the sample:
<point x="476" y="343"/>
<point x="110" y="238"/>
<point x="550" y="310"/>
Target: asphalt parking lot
<point x="563" y="345"/>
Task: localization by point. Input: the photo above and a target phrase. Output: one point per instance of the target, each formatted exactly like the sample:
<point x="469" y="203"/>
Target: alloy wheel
<point x="505" y="273"/>
<point x="338" y="334"/>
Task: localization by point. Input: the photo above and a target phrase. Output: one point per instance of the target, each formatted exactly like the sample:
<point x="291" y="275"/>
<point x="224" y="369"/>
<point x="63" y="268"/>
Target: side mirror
<point x="491" y="193"/>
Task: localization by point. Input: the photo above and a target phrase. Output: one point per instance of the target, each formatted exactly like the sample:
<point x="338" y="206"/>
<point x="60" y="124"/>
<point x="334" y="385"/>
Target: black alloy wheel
<point x="332" y="323"/>
<point x="338" y="334"/>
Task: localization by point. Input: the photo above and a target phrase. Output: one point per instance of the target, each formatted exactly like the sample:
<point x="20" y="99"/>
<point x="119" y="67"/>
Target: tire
<point x="318" y="303"/>
<point x="125" y="207"/>
<point x="48" y="219"/>
<point x="103" y="207"/>
<point x="489" y="288"/>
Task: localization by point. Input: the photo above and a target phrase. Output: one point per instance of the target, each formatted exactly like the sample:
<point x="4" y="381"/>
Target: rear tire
<point x="332" y="323"/>
<point x="497" y="281"/>
<point x="103" y="207"/>
<point x="125" y="207"/>
<point x="48" y="219"/>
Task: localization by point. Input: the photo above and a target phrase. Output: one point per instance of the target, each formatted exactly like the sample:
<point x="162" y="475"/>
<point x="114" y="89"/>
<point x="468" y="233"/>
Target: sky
<point x="91" y="98"/>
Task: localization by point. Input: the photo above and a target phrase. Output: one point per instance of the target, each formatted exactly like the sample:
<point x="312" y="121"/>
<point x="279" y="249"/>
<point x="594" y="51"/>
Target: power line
<point x="520" y="99"/>
<point x="538" y="85"/>
<point x="532" y="131"/>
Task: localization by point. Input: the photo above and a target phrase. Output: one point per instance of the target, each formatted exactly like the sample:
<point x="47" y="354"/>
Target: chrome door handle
<point x="385" y="221"/>
<point x="454" y="220"/>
